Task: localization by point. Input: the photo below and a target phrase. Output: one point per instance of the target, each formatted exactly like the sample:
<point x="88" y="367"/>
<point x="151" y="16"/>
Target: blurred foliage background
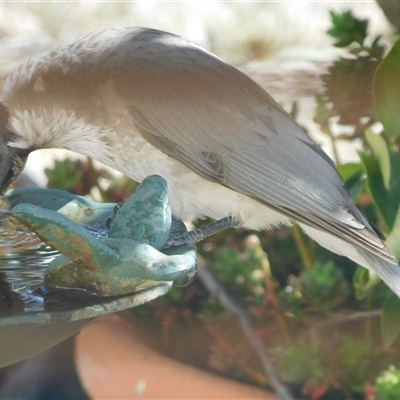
<point x="331" y="327"/>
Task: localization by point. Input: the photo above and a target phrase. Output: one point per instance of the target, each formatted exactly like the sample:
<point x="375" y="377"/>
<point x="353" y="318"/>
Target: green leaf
<point x="390" y="320"/>
<point x="364" y="281"/>
<point x="393" y="239"/>
<point x="357" y="188"/>
<point x="387" y="385"/>
<point x="349" y="170"/>
<point x="387" y="200"/>
<point x="354" y="176"/>
<point x="347" y="28"/>
<point x="386" y="91"/>
<point x="381" y="151"/>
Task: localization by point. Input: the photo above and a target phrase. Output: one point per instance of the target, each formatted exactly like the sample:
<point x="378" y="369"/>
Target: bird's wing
<point x="218" y="122"/>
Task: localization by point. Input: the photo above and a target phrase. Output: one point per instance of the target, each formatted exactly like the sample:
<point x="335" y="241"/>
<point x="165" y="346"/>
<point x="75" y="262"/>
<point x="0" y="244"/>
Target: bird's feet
<point x="197" y="235"/>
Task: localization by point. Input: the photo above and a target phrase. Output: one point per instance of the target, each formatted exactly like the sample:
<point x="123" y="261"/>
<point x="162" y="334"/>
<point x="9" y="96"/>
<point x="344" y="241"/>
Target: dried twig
<point x="218" y="291"/>
<point x="339" y="319"/>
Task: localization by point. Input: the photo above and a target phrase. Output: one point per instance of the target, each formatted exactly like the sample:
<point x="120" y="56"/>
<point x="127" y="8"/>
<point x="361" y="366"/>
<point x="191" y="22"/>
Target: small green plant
<point x="387" y="385"/>
<point x="347" y="29"/>
<point x="323" y="289"/>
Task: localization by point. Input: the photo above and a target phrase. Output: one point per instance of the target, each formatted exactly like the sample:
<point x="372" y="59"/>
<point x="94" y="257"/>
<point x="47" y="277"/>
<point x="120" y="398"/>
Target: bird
<point x="145" y="101"/>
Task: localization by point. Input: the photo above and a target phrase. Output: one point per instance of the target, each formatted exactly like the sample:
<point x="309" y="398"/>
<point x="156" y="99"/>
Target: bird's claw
<point x="197" y="235"/>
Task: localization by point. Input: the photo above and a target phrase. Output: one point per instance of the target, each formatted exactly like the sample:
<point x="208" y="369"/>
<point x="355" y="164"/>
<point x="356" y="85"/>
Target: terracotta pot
<point x="113" y="363"/>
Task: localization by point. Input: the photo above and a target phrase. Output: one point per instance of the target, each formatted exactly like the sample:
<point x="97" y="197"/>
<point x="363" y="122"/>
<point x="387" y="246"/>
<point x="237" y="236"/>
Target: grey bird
<point x="148" y="102"/>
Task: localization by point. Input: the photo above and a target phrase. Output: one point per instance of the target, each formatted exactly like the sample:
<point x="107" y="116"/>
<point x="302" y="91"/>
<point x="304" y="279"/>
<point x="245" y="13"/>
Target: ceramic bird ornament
<point x="148" y="102"/>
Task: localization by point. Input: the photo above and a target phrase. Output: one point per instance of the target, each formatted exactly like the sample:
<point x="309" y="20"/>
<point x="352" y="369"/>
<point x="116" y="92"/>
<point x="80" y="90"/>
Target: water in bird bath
<point x="23" y="260"/>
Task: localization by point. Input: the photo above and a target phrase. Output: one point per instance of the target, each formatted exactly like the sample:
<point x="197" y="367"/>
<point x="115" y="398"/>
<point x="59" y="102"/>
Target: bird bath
<point x="42" y="293"/>
<point x="36" y="321"/>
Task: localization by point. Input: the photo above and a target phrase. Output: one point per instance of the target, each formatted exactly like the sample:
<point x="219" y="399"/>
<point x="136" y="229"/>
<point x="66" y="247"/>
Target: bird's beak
<point x="12" y="162"/>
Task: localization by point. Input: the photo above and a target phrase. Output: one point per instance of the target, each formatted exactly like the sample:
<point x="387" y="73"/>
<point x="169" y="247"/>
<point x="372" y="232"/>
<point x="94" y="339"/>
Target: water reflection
<point x="25" y="267"/>
<point x="11" y="302"/>
<point x="23" y="261"/>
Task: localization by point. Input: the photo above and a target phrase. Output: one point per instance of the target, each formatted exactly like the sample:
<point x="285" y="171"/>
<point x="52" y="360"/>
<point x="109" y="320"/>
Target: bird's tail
<point x="385" y="265"/>
<point x="387" y="271"/>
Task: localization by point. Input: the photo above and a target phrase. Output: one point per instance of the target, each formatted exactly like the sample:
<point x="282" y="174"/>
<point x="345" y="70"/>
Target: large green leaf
<point x="386" y="87"/>
<point x="349" y="170"/>
<point x="393" y="239"/>
<point x="381" y="151"/>
<point x="354" y="176"/>
<point x="387" y="200"/>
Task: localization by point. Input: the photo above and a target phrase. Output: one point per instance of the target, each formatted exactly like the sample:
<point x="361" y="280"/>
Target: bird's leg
<point x="197" y="235"/>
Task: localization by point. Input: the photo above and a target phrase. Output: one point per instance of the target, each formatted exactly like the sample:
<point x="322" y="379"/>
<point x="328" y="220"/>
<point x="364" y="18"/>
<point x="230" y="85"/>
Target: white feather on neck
<point x="44" y="128"/>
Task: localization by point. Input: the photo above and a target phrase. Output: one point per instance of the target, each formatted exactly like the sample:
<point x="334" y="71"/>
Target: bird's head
<point x="12" y="159"/>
